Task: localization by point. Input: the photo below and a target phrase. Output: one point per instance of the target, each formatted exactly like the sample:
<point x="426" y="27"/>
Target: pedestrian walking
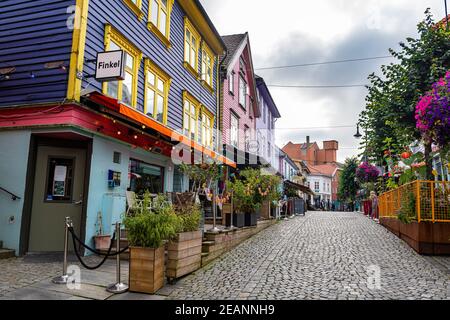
<point x="374" y="205"/>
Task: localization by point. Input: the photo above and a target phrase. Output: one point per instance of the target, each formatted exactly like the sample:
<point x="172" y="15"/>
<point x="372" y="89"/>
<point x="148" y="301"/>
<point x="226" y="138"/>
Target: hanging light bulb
<point x="119" y="132"/>
<point x="143" y="127"/>
<point x="32" y="75"/>
<point x="135" y="136"/>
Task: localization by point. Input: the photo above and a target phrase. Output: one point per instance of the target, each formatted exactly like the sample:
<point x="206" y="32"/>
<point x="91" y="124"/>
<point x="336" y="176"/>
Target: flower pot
<point x="146" y="273"/>
<point x="102" y="242"/>
<point x="239" y="219"/>
<point x="184" y="254"/>
<point x="250" y="219"/>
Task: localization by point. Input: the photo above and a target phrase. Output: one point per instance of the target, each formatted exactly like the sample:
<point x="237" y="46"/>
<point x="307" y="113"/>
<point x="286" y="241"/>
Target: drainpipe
<point x="219" y="92"/>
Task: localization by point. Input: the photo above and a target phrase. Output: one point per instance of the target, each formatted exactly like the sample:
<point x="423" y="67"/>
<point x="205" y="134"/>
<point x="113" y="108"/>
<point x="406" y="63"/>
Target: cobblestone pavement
<point x="321" y="256"/>
<point x="29" y="278"/>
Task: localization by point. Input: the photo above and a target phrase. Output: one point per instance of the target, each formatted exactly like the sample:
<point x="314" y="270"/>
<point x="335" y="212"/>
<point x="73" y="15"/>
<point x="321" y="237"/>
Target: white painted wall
<point x="324" y="185"/>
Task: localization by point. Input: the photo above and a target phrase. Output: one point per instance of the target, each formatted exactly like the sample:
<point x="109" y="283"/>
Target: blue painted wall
<point x="112" y="202"/>
<point x="13" y="170"/>
<point x="119" y="15"/>
<point x="32" y="33"/>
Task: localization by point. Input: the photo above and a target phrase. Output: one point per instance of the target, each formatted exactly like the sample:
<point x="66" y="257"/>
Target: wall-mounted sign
<point x="114" y="178"/>
<point x="59" y="181"/>
<point x="110" y="66"/>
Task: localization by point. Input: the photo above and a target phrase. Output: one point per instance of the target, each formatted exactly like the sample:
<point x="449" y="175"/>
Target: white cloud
<point x="287" y="32"/>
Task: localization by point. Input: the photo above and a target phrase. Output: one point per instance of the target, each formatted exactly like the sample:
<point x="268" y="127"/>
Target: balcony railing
<point x="430" y="201"/>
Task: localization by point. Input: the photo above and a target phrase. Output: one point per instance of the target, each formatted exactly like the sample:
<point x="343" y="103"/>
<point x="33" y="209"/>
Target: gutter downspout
<point x="219" y="104"/>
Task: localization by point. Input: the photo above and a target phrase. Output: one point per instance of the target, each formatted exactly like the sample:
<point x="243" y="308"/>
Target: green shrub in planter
<point x="154" y="222"/>
<point x="189" y="218"/>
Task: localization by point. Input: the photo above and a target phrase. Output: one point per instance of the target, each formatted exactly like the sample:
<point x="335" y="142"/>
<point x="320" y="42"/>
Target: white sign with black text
<point x="110" y="66"/>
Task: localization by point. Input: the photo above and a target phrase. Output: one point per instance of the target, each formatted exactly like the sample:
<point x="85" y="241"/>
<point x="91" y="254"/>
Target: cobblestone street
<point x="320" y="256"/>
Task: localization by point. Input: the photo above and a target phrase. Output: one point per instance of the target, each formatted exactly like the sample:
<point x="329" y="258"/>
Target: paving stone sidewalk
<point x="325" y="255"/>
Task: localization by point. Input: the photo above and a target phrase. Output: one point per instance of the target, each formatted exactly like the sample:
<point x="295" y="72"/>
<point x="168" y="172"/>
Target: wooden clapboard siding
<point x="32" y="33"/>
<point x="116" y="13"/>
<point x="184" y="254"/>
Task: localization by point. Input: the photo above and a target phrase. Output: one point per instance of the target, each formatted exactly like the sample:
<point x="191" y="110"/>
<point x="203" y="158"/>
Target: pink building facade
<point x="239" y="106"/>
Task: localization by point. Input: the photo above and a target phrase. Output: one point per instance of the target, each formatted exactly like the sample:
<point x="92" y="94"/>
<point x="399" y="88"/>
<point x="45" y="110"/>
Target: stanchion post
<point x="232" y="227"/>
<point x="214" y="211"/>
<point x="63" y="279"/>
<point x="117" y="287"/>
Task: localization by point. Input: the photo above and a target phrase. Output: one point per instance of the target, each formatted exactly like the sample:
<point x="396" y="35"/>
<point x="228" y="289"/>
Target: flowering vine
<point x="433" y="113"/>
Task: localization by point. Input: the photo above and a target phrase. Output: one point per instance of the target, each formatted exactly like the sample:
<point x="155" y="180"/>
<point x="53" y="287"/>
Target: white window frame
<point x="234" y="131"/>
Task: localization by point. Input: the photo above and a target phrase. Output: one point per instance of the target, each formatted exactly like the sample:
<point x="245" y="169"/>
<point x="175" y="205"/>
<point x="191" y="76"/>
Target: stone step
<point x="7" y="253"/>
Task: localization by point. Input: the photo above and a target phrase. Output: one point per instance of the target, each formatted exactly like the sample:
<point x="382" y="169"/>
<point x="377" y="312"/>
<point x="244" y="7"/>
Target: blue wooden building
<point x="71" y="145"/>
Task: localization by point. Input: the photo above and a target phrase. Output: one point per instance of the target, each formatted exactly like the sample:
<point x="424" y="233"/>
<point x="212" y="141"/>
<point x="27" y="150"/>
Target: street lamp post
<point x="446" y="14"/>
<point x="358" y="135"/>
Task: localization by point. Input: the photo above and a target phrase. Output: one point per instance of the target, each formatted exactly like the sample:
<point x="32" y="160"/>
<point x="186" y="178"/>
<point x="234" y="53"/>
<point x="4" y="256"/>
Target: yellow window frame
<point x="188" y="26"/>
<point x="135" y="7"/>
<point x="112" y="35"/>
<point x="208" y="114"/>
<point x="164" y="38"/>
<point x="193" y="101"/>
<point x="150" y="66"/>
<point x="207" y="53"/>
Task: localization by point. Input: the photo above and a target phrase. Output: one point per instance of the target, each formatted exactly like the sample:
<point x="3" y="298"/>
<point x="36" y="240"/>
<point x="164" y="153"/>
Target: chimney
<point x="307" y="141"/>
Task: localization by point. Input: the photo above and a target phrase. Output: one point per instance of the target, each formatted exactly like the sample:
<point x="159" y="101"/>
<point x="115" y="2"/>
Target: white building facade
<point x="320" y="184"/>
<point x="265" y="125"/>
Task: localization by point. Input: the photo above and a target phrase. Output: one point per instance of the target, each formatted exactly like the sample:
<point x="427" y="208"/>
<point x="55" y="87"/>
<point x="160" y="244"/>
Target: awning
<point x="300" y="187"/>
<point x="114" y="107"/>
<point x="243" y="159"/>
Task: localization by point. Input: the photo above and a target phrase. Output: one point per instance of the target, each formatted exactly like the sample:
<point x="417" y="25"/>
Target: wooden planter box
<point x="265" y="210"/>
<point x="184" y="254"/>
<point x="424" y="237"/>
<point x="392" y="224"/>
<point x="146" y="269"/>
<point x="250" y="219"/>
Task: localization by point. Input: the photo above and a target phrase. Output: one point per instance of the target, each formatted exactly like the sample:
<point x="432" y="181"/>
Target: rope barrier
<point x="75" y="239"/>
<point x="94" y="250"/>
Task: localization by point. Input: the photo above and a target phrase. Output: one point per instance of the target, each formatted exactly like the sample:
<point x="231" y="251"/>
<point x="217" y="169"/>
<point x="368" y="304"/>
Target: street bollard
<point x="117" y="287"/>
<point x="63" y="279"/>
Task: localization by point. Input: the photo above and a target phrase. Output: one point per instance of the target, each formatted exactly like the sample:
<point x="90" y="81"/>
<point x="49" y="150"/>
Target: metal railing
<point x="13" y="196"/>
<point x="431" y="200"/>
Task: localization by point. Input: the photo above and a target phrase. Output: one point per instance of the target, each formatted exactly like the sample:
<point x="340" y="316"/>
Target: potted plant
<point x="155" y="222"/>
<point x="102" y="241"/>
<point x="184" y="252"/>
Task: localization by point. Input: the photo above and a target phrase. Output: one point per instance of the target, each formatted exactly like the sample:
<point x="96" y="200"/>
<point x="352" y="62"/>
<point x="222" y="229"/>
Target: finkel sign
<point x="110" y="66"/>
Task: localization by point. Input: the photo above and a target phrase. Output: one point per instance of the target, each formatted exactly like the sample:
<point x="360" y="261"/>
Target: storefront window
<point x="145" y="177"/>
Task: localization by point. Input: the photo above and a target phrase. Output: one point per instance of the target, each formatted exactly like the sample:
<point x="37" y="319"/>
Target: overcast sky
<point x="287" y="32"/>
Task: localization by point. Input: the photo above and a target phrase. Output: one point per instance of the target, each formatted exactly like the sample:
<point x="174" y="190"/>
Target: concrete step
<point x="7" y="253"/>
